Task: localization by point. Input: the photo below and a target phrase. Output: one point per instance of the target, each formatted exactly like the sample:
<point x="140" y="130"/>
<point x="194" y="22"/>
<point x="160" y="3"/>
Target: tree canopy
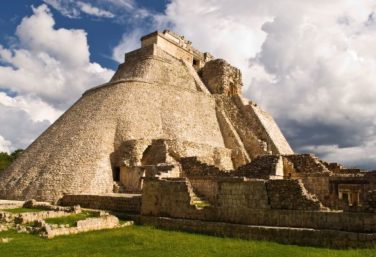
<point x="6" y="159"/>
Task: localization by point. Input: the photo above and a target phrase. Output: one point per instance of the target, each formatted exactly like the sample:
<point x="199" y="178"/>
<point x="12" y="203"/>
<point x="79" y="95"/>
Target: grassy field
<point x="21" y="210"/>
<point x="144" y="241"/>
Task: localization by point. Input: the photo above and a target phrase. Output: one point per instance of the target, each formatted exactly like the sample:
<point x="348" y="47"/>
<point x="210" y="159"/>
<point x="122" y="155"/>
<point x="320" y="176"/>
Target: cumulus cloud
<point x="129" y="42"/>
<point x="42" y="75"/>
<point x="310" y="63"/>
<point x="4" y="145"/>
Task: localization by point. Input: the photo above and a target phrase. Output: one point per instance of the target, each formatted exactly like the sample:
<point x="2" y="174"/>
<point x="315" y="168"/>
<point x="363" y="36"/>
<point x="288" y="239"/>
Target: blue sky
<point x="312" y="64"/>
<point x="103" y="34"/>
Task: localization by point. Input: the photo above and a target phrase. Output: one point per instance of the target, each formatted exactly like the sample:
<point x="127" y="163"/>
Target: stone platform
<point x="130" y="203"/>
<point x="284" y="235"/>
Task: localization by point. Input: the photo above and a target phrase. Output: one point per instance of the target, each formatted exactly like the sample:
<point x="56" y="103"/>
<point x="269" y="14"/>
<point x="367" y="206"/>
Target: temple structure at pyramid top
<point x="177" y="46"/>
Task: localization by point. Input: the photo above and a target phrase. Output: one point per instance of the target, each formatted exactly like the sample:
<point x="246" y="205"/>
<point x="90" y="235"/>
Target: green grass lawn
<point x="144" y="241"/>
<point x="22" y="210"/>
<point x="71" y="219"/>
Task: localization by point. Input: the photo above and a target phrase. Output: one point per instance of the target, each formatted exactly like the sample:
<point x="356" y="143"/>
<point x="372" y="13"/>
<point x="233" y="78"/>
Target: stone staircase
<point x="197" y="200"/>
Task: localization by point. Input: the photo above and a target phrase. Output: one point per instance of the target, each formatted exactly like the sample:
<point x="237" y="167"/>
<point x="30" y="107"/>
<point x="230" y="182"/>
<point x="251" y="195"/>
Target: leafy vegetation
<point x="71" y="219"/>
<point x="6" y="159"/>
<point x="149" y="242"/>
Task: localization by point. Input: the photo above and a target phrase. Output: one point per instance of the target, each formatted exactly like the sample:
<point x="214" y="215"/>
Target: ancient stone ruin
<point x="39" y="219"/>
<point x="172" y="140"/>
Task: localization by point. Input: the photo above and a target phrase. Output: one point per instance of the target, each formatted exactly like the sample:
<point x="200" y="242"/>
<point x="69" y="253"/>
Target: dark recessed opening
<point x="116" y="173"/>
<point x="195" y="62"/>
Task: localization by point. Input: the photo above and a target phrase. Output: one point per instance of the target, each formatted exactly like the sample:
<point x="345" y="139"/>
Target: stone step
<point x="198" y="201"/>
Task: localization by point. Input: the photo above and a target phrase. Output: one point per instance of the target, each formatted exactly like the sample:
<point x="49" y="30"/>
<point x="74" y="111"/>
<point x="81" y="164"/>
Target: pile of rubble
<point x="35" y="222"/>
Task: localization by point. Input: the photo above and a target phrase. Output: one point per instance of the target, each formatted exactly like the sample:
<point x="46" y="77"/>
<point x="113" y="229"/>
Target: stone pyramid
<point x="165" y="102"/>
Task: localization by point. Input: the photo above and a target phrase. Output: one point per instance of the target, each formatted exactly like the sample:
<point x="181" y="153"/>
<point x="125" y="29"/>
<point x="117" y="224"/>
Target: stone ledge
<point x="111" y="202"/>
<point x="283" y="235"/>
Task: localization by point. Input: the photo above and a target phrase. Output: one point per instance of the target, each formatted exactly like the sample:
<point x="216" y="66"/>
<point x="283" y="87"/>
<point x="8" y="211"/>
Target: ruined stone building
<point x="170" y="136"/>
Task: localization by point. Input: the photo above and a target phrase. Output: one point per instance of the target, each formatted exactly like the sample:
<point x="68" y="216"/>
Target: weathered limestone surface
<point x="291" y="195"/>
<point x="221" y="78"/>
<point x="264" y="167"/>
<point x="72" y="156"/>
<point x="247" y="202"/>
<point x="155" y="94"/>
<point x="112" y="202"/>
<point x="24" y="218"/>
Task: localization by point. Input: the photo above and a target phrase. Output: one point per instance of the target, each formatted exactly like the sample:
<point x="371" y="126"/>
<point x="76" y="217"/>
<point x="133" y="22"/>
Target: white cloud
<point x="32" y="105"/>
<point x="352" y="156"/>
<point x="119" y="11"/>
<point x="46" y="75"/>
<point x="95" y="11"/>
<point x="122" y="4"/>
<point x="66" y="7"/>
<point x="18" y="128"/>
<point x="128" y="43"/>
<point x="4" y="145"/>
<point x="47" y="65"/>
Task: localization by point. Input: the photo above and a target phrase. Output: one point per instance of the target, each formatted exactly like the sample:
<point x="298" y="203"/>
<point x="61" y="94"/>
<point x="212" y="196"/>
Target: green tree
<point x="6" y="159"/>
<point x="16" y="153"/>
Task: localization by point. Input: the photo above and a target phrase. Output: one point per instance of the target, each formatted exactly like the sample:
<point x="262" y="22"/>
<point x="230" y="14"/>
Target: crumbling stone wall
<point x="221" y="78"/>
<point x="168" y="198"/>
<point x="232" y="140"/>
<point x="313" y="173"/>
<point x="303" y="164"/>
<point x="263" y="126"/>
<point x="319" y="185"/>
<point x="291" y="195"/>
<point x="89" y="224"/>
<point x="253" y="145"/>
<point x="245" y="202"/>
<point x="192" y="167"/>
<point x="264" y="167"/>
<point x="207" y="188"/>
<point x="112" y="202"/>
<point x="370" y="204"/>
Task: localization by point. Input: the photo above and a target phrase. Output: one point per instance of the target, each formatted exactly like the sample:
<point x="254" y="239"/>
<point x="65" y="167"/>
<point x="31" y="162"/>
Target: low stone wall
<point x="284" y="235"/>
<point x="8" y="204"/>
<point x="90" y="224"/>
<point x="27" y="217"/>
<point x="112" y="202"/>
<point x="33" y="204"/>
<point x="169" y="197"/>
<point x="245" y="202"/>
